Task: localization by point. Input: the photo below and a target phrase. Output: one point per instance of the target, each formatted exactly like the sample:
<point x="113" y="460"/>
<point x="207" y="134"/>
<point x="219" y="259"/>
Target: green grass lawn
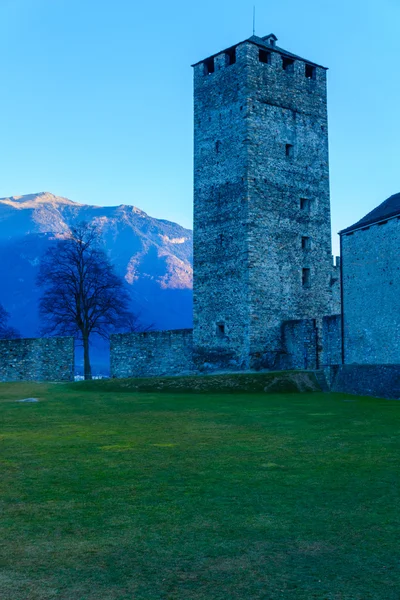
<point x="113" y="495"/>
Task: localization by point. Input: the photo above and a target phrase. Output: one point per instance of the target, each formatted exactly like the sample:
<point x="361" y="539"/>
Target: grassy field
<point x="123" y="495"/>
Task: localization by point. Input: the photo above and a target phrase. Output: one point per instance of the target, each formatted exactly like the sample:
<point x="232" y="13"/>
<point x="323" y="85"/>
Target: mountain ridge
<point x="154" y="256"/>
<point x="45" y="197"/>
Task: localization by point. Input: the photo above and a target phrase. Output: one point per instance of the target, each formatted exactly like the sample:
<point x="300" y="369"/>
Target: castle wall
<point x="371" y="283"/>
<point x="41" y="359"/>
<point x="306" y="344"/>
<point x="151" y="354"/>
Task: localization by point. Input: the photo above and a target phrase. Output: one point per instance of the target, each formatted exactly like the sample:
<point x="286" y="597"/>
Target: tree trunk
<point x="86" y="358"/>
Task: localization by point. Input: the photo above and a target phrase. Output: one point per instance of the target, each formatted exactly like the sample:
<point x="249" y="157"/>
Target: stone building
<point x="370" y="251"/>
<point x="264" y="282"/>
<point x="262" y="229"/>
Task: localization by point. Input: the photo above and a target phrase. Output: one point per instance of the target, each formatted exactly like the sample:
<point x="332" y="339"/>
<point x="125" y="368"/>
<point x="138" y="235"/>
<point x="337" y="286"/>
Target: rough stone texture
<point x="35" y="359"/>
<point x="331" y="341"/>
<point x="382" y="381"/>
<point x="248" y="220"/>
<point x="311" y="343"/>
<point x="300" y="340"/>
<point x="152" y="354"/>
<point x="371" y="283"/>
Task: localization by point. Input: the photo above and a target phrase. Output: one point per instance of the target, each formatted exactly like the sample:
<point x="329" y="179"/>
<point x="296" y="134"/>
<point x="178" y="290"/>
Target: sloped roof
<point x="261" y="43"/>
<point x="388" y="209"/>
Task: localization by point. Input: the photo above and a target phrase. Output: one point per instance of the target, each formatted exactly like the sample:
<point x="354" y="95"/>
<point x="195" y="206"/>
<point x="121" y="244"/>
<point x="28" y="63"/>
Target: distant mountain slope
<point x="154" y="256"/>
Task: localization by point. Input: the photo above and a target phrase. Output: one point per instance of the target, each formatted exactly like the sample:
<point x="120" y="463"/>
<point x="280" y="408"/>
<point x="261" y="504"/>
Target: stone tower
<point x="262" y="231"/>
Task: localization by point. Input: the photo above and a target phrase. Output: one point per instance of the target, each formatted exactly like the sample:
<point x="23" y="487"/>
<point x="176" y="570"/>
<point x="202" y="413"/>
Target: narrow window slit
<point x="221" y="330"/>
<point x="305" y="204"/>
<point x="306" y="278"/>
<point x="209" y="66"/>
<point x="289" y="149"/>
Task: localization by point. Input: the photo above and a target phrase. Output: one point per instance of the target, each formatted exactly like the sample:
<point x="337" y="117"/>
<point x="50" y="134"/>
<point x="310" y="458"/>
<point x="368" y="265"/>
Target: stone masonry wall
<point x="336" y="301"/>
<point x="331" y="341"/>
<point x="37" y="359"/>
<point x="151" y="354"/>
<point x="311" y="343"/>
<point x="306" y="344"/>
<point x="300" y="344"/>
<point x="371" y="304"/>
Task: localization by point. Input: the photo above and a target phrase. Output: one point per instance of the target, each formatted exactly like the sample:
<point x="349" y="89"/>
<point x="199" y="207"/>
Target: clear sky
<point x="96" y="95"/>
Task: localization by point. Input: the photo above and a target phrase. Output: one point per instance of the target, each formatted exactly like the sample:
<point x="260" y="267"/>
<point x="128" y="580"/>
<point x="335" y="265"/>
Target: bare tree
<point x="82" y="294"/>
<point x="6" y="332"/>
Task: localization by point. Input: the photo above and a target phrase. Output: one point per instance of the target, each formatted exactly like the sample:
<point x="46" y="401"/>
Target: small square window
<point x="305" y="243"/>
<point x="305" y="204"/>
<point x="306" y="278"/>
<point x="288" y="64"/>
<point x="209" y="66"/>
<point x="264" y="57"/>
<point x="311" y="72"/>
<point x="289" y="150"/>
<point x="220" y="330"/>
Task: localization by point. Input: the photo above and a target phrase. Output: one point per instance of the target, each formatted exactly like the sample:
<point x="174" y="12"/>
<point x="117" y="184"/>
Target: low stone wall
<point x="152" y="353"/>
<point x="37" y="359"/>
<point x="381" y="381"/>
<point x="306" y="344"/>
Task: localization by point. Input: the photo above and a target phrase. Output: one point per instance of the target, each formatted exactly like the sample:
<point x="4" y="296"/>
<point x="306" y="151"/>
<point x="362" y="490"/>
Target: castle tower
<point x="262" y="235"/>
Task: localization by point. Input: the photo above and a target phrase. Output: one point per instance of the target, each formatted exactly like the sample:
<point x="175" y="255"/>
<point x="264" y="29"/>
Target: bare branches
<point x="82" y="293"/>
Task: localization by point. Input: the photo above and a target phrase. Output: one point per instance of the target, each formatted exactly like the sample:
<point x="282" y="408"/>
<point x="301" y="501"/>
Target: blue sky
<point x="96" y="96"/>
